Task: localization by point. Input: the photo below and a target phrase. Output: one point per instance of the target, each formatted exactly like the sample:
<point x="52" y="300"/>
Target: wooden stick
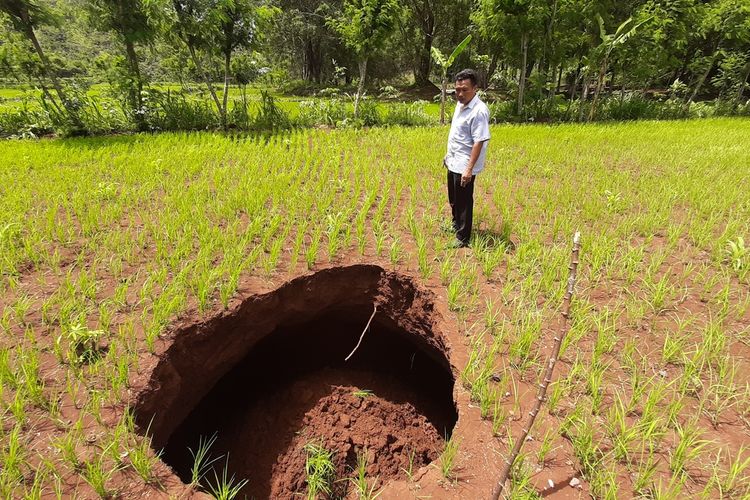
<point x="572" y="268"/>
<point x="367" y="326"/>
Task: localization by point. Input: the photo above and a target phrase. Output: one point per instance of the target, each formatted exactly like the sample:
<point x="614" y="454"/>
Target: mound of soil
<point x="395" y="437"/>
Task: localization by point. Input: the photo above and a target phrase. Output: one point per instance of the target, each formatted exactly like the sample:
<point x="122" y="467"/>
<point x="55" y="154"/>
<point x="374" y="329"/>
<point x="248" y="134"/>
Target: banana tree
<point x="609" y="42"/>
<point x="445" y="64"/>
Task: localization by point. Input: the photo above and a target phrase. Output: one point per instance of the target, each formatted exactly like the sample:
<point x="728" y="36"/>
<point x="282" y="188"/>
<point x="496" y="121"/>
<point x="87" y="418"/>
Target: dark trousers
<point x="461" y="200"/>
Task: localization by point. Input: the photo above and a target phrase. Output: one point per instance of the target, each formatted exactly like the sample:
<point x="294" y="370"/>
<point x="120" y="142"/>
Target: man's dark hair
<point x="467" y="74"/>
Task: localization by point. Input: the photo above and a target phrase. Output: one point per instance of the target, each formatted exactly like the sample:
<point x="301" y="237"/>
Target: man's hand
<point x="466" y="176"/>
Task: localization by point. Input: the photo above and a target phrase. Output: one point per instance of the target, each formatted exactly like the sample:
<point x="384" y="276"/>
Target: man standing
<point x="467" y="148"/>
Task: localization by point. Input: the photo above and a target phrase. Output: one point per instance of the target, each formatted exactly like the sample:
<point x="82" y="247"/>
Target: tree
<point x="25" y="16"/>
<point x="193" y="23"/>
<point x="445" y="64"/>
<point x="238" y="28"/>
<point x="609" y="42"/>
<point x="725" y="23"/>
<point x="364" y="28"/>
<point x="129" y="21"/>
<point x="511" y="26"/>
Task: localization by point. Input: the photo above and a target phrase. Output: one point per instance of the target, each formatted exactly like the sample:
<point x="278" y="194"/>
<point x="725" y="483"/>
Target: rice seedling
<point x="448" y="458"/>
<point x="97" y="474"/>
<point x="320" y="472"/>
<point x="225" y="487"/>
<point x="364" y="490"/>
<point x="202" y="461"/>
<point x="124" y="248"/>
<point x="688" y="447"/>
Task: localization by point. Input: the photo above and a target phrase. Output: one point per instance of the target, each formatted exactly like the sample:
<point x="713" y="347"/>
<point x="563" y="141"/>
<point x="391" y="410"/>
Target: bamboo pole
<point x="551" y="361"/>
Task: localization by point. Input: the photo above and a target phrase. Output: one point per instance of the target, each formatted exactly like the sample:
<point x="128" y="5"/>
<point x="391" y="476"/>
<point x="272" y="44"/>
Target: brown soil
<point x="394" y="437"/>
<point x="271" y="376"/>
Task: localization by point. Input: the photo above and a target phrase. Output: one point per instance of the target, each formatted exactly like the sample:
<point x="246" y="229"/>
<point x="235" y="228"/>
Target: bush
<point x="321" y="112"/>
<point x="270" y="116"/>
<point x="299" y="87"/>
<point x="24" y="123"/>
<point x="175" y="111"/>
<point x="502" y="111"/>
<point x="369" y="114"/>
<point x="407" y="114"/>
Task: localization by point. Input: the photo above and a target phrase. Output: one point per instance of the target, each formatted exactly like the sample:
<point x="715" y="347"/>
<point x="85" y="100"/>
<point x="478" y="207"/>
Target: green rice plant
<point x="97" y="475"/>
<point x="491" y="314"/>
<point x="143" y="460"/>
<point x="658" y="293"/>
<point x="409" y="470"/>
<point x="319" y="470"/>
<point x="448" y="457"/>
<point x="737" y="254"/>
<point x="716" y="399"/>
<point x="365" y="491"/>
<point x="499" y="417"/>
<point x="454" y="293"/>
<point x="714" y="342"/>
<point x="603" y="483"/>
<point x="688" y="447"/>
<point x="224" y="487"/>
<point x="446" y="271"/>
<point x="621" y="434"/>
<point x="396" y="252"/>
<point x="521" y="486"/>
<point x="202" y="461"/>
<point x="674" y="348"/>
<point x="545" y="446"/>
<point x="311" y="252"/>
<point x="734" y="480"/>
<point x="529" y="330"/>
<point x="644" y="474"/>
<point x="671" y="490"/>
<point x="605" y="324"/>
<point x="594" y="385"/>
<point x="13" y="456"/>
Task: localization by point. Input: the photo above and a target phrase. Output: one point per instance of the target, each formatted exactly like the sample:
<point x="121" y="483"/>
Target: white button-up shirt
<point x="470" y="124"/>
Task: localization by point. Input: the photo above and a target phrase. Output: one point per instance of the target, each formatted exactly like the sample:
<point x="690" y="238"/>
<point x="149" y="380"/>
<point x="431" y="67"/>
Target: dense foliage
<point x="536" y="54"/>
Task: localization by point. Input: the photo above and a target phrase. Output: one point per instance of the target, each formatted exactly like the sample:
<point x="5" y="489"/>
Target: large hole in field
<point x="271" y="377"/>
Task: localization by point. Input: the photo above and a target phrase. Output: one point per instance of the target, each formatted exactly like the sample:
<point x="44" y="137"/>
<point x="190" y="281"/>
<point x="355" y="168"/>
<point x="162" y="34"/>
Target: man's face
<point x="465" y="91"/>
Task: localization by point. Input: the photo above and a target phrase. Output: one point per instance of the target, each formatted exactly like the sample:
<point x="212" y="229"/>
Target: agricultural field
<point x="176" y="310"/>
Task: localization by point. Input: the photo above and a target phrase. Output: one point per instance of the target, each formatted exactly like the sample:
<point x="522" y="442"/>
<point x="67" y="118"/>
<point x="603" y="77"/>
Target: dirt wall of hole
<point x="201" y="353"/>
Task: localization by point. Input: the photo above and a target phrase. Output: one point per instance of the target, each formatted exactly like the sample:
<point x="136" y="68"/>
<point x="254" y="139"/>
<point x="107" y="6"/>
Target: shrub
<point x="270" y="116"/>
<point x="407" y="114"/>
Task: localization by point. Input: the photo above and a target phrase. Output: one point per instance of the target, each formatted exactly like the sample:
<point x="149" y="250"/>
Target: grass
<point x="105" y="241"/>
<point x="320" y="472"/>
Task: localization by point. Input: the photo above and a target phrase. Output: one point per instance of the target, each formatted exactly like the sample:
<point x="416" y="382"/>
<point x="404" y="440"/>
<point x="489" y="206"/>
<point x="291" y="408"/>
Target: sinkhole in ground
<point x="270" y="377"/>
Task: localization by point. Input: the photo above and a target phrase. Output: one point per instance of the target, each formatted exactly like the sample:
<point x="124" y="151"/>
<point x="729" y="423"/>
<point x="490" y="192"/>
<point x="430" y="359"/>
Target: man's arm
<point x="468" y="171"/>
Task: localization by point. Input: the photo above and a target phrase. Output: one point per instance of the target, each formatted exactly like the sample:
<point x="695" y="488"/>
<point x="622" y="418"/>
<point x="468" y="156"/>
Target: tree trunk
<point x="584" y="95"/>
<point x="743" y="84"/>
<point x="135" y="92"/>
<point x="311" y="61"/>
<point x="47" y="72"/>
<point x="599" y="85"/>
<point x="522" y="75"/>
<point x="422" y="78"/>
<point x="204" y="77"/>
<point x="225" y="97"/>
<point x="361" y="86"/>
<point x="559" y="79"/>
<point x="443" y="88"/>
<point x="492" y="68"/>
<point x="703" y="77"/>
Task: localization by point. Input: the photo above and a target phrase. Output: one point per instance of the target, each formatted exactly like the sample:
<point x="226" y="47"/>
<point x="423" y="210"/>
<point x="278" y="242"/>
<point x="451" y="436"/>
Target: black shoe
<point x="455" y="244"/>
